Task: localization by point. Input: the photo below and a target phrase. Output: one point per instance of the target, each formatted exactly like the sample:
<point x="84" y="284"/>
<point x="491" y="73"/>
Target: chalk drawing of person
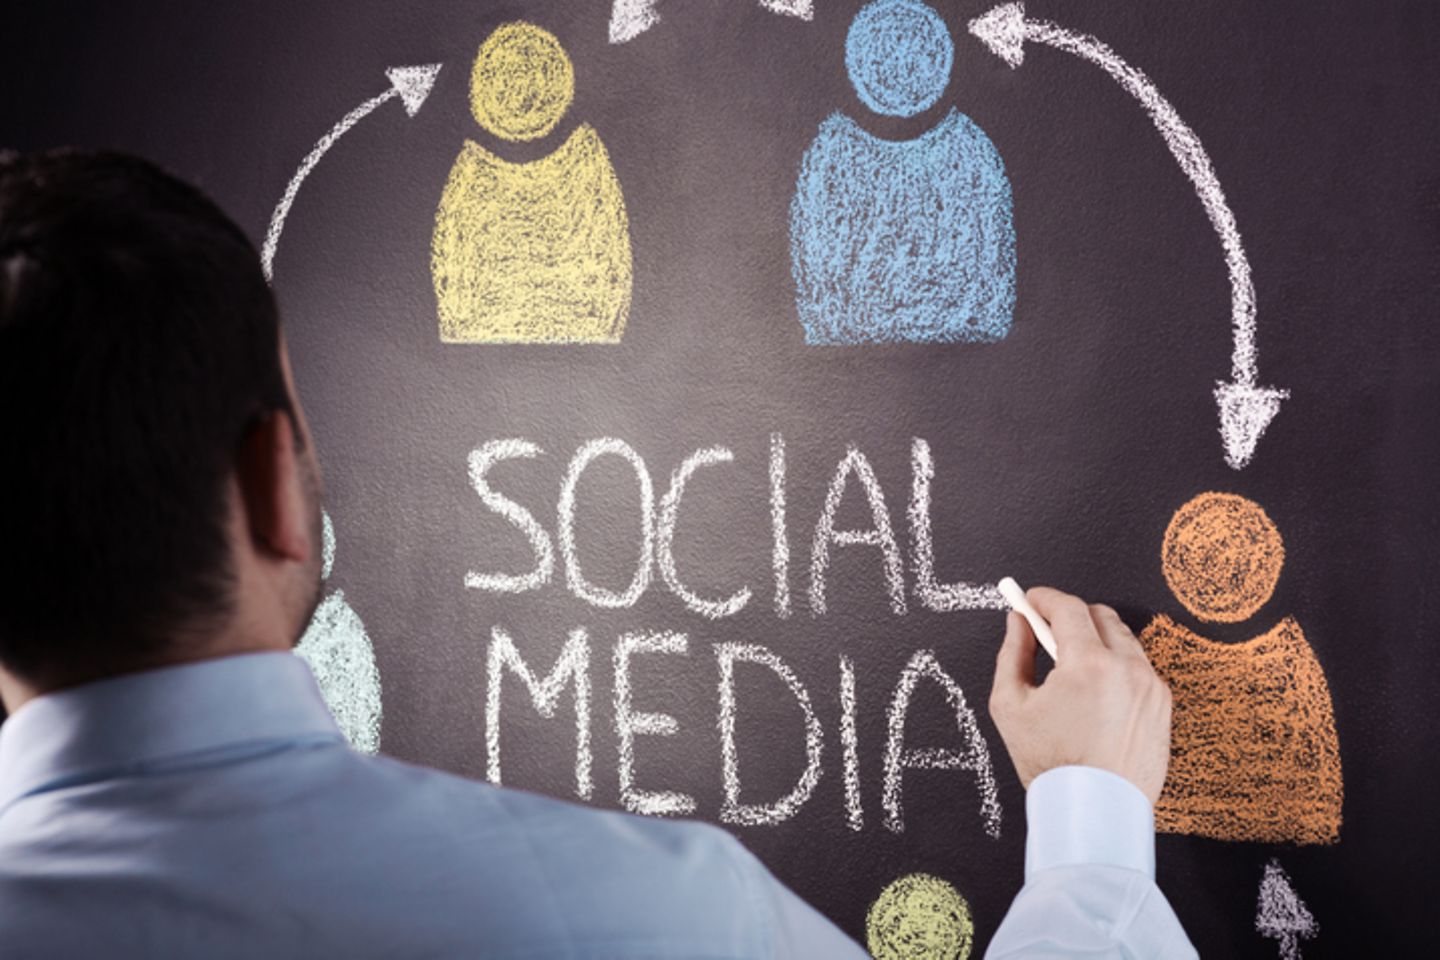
<point x="902" y="241"/>
<point x="339" y="653"/>
<point x="535" y="252"/>
<point x="1253" y="750"/>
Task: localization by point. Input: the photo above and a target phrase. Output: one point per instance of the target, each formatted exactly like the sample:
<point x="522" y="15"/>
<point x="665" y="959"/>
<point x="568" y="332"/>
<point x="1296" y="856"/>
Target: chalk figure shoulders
<point x="536" y="251"/>
<point x="1254" y="752"/>
<point x="903" y="240"/>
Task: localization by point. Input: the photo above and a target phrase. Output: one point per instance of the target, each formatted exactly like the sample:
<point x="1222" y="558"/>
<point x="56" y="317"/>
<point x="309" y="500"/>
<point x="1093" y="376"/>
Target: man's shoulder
<point x="584" y="873"/>
<point x="563" y="829"/>
<point x="374" y="852"/>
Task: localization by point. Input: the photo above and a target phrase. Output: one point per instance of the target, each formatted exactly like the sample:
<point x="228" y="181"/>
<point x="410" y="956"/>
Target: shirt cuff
<point x="1085" y="815"/>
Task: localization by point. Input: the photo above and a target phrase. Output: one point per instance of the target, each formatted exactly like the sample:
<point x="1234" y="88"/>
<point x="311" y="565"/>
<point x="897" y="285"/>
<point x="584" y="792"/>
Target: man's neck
<point x="14" y="692"/>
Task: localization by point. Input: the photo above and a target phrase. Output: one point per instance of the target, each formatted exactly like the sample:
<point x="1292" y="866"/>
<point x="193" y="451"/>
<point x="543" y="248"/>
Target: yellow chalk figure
<point x="535" y="252"/>
<point x="919" y="917"/>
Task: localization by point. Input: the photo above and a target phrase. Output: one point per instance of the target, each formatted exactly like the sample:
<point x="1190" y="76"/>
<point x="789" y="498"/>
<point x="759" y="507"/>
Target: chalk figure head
<point x="1222" y="556"/>
<point x="899" y="54"/>
<point x="522" y="82"/>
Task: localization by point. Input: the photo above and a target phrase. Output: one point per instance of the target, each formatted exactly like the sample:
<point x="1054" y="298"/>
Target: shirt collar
<point x="128" y="722"/>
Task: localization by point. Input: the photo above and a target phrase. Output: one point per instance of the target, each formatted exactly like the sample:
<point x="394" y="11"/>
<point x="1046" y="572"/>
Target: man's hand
<point x="1101" y="706"/>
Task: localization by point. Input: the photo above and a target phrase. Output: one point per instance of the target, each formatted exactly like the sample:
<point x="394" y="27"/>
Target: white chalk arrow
<point x="411" y="84"/>
<point x="1246" y="408"/>
<point x="1281" y="914"/>
<point x="630" y="18"/>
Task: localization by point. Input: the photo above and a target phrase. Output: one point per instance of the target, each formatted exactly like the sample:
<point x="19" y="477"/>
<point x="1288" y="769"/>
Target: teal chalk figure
<point x="340" y="655"/>
<point x="902" y="241"/>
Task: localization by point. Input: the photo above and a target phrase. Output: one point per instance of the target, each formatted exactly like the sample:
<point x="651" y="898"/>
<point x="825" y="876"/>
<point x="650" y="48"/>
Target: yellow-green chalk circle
<point x="919" y="917"/>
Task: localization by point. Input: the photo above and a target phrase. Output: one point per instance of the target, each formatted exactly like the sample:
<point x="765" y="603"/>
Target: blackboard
<point x="1063" y="424"/>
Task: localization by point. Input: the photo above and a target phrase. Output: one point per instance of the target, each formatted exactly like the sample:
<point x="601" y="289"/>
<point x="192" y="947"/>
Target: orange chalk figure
<point x="1253" y="750"/>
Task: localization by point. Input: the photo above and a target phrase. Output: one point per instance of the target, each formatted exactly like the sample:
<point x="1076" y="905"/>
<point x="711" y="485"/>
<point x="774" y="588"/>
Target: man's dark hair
<point x="138" y="341"/>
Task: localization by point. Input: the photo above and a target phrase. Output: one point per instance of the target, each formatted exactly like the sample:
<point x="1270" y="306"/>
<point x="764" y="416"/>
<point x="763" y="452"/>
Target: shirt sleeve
<point x="1089" y="875"/>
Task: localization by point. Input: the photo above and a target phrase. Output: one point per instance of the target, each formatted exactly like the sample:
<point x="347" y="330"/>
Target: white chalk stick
<point x="1015" y="596"/>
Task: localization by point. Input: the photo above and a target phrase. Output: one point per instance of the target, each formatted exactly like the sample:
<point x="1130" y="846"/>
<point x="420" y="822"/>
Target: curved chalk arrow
<point x="1246" y="409"/>
<point x="411" y="84"/>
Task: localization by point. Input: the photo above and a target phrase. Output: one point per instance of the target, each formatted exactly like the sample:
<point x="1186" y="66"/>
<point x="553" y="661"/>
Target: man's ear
<point x="272" y="489"/>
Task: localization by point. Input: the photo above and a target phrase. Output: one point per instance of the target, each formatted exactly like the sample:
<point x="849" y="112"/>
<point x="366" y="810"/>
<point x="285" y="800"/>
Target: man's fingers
<point x="1015" y="664"/>
<point x="1113" y="631"/>
<point x="1069" y="619"/>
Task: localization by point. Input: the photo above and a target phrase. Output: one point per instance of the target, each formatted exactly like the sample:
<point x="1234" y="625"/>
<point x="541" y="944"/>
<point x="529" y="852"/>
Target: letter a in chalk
<point x="973" y="756"/>
<point x="880" y="535"/>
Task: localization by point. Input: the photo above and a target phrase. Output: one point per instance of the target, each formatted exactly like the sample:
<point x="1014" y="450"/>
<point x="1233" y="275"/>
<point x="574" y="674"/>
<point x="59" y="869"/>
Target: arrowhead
<point x="1245" y="412"/>
<point x="413" y="84"/>
<point x="1281" y="914"/>
<point x="630" y="18"/>
<point x="804" y="9"/>
<point x="1003" y="31"/>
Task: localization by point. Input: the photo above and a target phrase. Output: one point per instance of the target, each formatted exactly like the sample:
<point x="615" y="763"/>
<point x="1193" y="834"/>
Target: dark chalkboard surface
<point x="744" y="266"/>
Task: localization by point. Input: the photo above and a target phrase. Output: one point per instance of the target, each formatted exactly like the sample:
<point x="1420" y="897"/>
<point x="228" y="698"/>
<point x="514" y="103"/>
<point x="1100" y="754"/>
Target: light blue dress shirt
<point x="214" y="810"/>
<point x="1089" y="875"/>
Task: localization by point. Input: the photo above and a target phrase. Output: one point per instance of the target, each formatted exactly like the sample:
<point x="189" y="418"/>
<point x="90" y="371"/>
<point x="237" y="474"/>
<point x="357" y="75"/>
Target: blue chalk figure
<point x="902" y="241"/>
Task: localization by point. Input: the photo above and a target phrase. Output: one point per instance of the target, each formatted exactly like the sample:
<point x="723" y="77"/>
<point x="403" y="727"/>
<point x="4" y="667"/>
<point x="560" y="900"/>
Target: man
<point x="170" y="781"/>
